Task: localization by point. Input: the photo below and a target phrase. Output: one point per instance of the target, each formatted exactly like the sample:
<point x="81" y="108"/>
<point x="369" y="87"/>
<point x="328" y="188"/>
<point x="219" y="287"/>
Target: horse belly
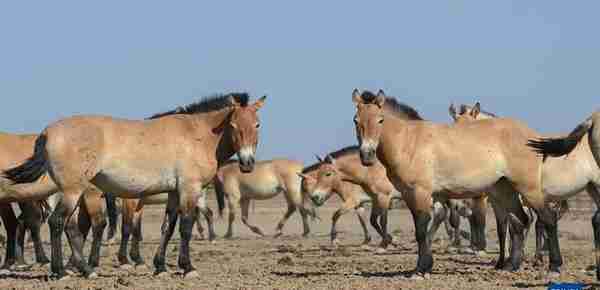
<point x="261" y="189"/>
<point x="135" y="183"/>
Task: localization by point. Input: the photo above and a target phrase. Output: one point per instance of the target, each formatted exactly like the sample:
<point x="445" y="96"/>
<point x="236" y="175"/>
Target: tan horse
<point x="15" y="148"/>
<point x="343" y="166"/>
<point x="567" y="176"/>
<point x="454" y="161"/>
<point x="177" y="152"/>
<point x="131" y="226"/>
<point x="352" y="195"/>
<point x="269" y="179"/>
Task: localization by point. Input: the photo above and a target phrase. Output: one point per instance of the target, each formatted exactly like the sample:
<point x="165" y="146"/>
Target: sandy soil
<point x="293" y="262"/>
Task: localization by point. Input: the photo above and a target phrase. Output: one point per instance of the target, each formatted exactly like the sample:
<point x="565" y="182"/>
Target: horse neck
<point x="388" y="142"/>
<point x="351" y="169"/>
<point x="220" y="140"/>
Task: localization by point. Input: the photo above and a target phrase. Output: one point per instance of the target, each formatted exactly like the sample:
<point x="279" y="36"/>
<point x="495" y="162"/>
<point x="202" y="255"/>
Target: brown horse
<point x="269" y="179"/>
<point x="579" y="171"/>
<point x="454" y="161"/>
<point x="352" y="195"/>
<point x="342" y="166"/>
<point x="177" y="152"/>
<point x="131" y="226"/>
<point x="473" y="113"/>
<point x="15" y="149"/>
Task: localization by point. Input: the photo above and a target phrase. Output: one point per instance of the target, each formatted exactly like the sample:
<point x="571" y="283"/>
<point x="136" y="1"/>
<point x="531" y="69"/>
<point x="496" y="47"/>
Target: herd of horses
<point x="74" y="170"/>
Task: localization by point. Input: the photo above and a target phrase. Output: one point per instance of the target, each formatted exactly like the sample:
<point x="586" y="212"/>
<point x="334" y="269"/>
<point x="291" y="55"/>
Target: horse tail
<point x="34" y="167"/>
<point x="556" y="147"/>
<point x="220" y="192"/>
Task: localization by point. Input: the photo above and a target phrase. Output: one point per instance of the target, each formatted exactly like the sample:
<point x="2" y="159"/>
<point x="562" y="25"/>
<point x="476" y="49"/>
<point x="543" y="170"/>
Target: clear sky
<point x="538" y="61"/>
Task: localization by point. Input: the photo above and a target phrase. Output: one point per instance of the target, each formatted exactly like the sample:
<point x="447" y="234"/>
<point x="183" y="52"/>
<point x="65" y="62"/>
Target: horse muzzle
<point x="246" y="159"/>
<point x="367" y="155"/>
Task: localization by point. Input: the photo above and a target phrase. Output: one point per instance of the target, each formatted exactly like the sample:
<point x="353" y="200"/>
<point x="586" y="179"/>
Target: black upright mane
<point x="393" y="106"/>
<point x="207" y="104"/>
<point x="338" y="153"/>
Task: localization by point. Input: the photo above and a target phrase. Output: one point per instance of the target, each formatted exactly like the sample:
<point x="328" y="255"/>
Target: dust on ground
<point x="294" y="262"/>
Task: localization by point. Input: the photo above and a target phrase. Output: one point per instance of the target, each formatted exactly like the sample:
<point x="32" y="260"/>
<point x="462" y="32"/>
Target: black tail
<point x="219" y="191"/>
<point x="556" y="147"/>
<point x="33" y="168"/>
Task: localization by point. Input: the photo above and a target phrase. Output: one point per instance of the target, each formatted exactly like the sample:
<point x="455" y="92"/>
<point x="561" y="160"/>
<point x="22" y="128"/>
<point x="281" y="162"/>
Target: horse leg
<point x="113" y="215"/>
<point x="384" y="204"/>
<point x="374" y="219"/>
<point x="360" y="213"/>
<point x="127" y="213"/>
<point x="506" y="198"/>
<point x="233" y="201"/>
<point x="33" y="216"/>
<point x="208" y="215"/>
<point x="10" y="224"/>
<point x="96" y="212"/>
<point x="62" y="220"/>
<point x="477" y="222"/>
<point x="20" y="243"/>
<point x="346" y="207"/>
<point x="595" y="194"/>
<point x="245" y="204"/>
<point x="420" y="203"/>
<point x="167" y="229"/>
<point x="540" y="243"/>
<point x="440" y="215"/>
<point x="136" y="229"/>
<point x="191" y="194"/>
<point x="199" y="227"/>
<point x="501" y="227"/>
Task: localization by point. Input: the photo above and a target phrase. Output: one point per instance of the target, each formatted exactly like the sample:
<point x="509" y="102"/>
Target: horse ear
<point x="476" y="110"/>
<point x="259" y="103"/>
<point x="380" y="100"/>
<point x="319" y="158"/>
<point x="452" y="111"/>
<point x="356" y="97"/>
<point x="329" y="159"/>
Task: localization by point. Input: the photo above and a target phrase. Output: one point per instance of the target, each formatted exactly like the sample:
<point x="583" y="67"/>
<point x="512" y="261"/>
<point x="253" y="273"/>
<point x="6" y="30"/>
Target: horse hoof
<point x="4" y="272"/>
<point x="69" y="272"/>
<point x="380" y="251"/>
<point x="467" y="251"/>
<point x="126" y="267"/>
<point x="22" y="267"/>
<point x="92" y="275"/>
<point x="419" y="276"/>
<point x="553" y="276"/>
<point x="191" y="275"/>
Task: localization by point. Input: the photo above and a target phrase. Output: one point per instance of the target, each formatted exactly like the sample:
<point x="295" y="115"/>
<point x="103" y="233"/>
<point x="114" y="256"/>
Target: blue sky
<point x="533" y="60"/>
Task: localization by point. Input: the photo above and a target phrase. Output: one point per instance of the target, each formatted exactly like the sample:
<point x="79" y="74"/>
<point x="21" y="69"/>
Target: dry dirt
<point x="293" y="262"/>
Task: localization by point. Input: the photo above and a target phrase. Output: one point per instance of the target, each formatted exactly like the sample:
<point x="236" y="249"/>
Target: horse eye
<point x="381" y="121"/>
<point x="257" y="125"/>
<point x="328" y="174"/>
<point x="355" y="120"/>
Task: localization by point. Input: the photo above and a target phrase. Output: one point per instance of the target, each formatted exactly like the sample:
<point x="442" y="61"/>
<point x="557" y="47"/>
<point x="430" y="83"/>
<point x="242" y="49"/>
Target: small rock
<point x="286" y="260"/>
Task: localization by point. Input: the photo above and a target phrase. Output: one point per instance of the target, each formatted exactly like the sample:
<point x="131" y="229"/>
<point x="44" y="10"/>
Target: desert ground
<point x="294" y="262"/>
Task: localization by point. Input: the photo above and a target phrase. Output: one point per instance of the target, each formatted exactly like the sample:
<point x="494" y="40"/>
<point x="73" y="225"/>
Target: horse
<point x="423" y="159"/>
<point x="15" y="148"/>
<point x="177" y="151"/>
<point x="578" y="171"/>
<point x="269" y="179"/>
